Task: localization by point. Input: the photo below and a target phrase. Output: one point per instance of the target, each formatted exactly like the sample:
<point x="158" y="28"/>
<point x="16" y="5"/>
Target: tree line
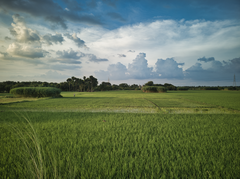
<point x="90" y="84"/>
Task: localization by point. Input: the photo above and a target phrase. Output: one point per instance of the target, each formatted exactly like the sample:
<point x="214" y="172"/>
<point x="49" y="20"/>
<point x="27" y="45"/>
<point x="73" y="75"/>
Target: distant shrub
<point x="182" y="88"/>
<point x="154" y="89"/>
<point x="36" y="92"/>
<point x="232" y="88"/>
<point x="9" y="96"/>
<point x="210" y="88"/>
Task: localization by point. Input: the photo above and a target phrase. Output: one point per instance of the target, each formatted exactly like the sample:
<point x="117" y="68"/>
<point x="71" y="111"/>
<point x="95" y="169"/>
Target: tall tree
<point x="73" y="82"/>
<point x="84" y="83"/>
<point x="69" y="80"/>
<point x="93" y="82"/>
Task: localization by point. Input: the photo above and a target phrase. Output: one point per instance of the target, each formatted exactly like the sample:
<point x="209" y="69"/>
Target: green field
<point x="121" y="134"/>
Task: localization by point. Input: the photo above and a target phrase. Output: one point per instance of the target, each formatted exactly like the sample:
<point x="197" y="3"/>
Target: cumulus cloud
<point x="139" y="68"/>
<point x="50" y="39"/>
<point x="78" y="41"/>
<point x="93" y="58"/>
<point x="169" y="68"/>
<point x="27" y="51"/>
<point x="117" y="71"/>
<point x="21" y="32"/>
<point x="70" y="57"/>
<point x="121" y="55"/>
<point x="217" y="71"/>
<point x="204" y="59"/>
<point x="131" y="51"/>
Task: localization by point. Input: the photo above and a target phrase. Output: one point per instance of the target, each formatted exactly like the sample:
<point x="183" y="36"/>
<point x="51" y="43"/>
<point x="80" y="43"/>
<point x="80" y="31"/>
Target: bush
<point x="210" y="88"/>
<point x="154" y="89"/>
<point x="182" y="88"/>
<point x="36" y="92"/>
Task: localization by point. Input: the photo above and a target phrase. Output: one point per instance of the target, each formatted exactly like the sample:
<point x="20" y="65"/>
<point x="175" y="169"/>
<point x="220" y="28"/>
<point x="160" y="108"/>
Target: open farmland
<point x="122" y="134"/>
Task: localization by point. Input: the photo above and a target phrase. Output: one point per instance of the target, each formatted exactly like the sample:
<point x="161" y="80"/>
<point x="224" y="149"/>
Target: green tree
<point x="69" y="80"/>
<point x="150" y="83"/>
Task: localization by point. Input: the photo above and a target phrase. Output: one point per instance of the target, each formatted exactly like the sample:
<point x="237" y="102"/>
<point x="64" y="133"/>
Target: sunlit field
<point x="122" y="134"/>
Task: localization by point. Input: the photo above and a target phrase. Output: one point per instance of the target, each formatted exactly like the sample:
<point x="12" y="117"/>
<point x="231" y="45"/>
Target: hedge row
<point x="154" y="89"/>
<point x="36" y="92"/>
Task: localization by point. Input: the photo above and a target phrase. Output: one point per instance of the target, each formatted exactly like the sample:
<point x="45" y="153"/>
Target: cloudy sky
<point x="187" y="42"/>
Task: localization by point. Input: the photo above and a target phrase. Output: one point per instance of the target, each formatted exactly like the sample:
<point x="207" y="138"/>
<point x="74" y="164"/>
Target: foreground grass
<point x="81" y="145"/>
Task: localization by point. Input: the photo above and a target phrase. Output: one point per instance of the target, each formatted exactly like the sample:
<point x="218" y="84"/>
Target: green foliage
<point x="82" y="145"/>
<point x="36" y="92"/>
<point x="63" y="141"/>
<point x="210" y="88"/>
<point x="182" y="88"/>
<point x="152" y="89"/>
<point x="150" y="83"/>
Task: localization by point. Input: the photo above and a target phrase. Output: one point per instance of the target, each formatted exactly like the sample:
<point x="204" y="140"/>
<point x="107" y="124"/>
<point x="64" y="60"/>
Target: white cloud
<point x="21" y="32"/>
<point x="27" y="51"/>
<point x="183" y="40"/>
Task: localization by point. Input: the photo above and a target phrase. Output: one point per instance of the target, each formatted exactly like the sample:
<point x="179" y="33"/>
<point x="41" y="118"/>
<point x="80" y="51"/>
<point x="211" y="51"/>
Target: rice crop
<point x="122" y="134"/>
<point x="113" y="145"/>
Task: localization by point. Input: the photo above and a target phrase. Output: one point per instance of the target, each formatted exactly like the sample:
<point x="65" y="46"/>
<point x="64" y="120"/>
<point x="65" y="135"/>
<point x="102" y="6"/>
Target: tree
<point x="124" y="86"/>
<point x="84" y="83"/>
<point x="93" y="82"/>
<point x="69" y="80"/>
<point x="73" y="82"/>
<point x="79" y="83"/>
<point x="150" y="83"/>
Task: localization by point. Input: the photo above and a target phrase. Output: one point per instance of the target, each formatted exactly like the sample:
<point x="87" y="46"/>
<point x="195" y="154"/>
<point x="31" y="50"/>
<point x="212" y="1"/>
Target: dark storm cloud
<point x="78" y="41"/>
<point x="93" y="58"/>
<point x="121" y="55"/>
<point x="169" y="69"/>
<point x="48" y="10"/>
<point x="50" y="39"/>
<point x="204" y="59"/>
<point x="116" y="16"/>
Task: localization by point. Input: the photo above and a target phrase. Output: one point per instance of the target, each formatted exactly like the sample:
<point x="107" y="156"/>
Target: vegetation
<point x="122" y="134"/>
<point x="36" y="92"/>
<point x="153" y="89"/>
<point x="82" y="145"/>
<point x="90" y="84"/>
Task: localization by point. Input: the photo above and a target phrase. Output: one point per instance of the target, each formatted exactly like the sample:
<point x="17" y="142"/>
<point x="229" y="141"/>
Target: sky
<point x="185" y="43"/>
